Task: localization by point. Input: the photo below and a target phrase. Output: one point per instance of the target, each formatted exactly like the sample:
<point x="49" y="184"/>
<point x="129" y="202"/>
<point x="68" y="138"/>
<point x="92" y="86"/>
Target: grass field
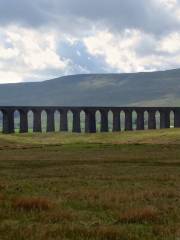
<point x="101" y="186"/>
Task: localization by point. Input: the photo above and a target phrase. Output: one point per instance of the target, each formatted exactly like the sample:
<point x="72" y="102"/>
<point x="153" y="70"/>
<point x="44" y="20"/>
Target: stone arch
<point x="104" y="119"/>
<point x="70" y="120"/>
<point x="82" y="120"/>
<point x="157" y="116"/>
<point x="16" y="121"/>
<point x="90" y="120"/>
<point x="116" y="121"/>
<point x="134" y="120"/>
<point x="1" y="121"/>
<point x="165" y="118"/>
<point x="146" y="115"/>
<point x="122" y="119"/>
<point x="110" y="121"/>
<point x="63" y="120"/>
<point x="50" y="121"/>
<point x="140" y="119"/>
<point x="98" y="120"/>
<point x="30" y="117"/>
<point x="76" y="128"/>
<point x="171" y="119"/>
<point x="44" y="120"/>
<point x="57" y="120"/>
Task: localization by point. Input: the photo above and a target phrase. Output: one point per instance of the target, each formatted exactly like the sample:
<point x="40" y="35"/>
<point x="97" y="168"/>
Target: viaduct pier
<point x="8" y="118"/>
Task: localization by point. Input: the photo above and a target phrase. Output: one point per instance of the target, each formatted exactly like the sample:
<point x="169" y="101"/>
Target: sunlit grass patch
<point x="167" y="136"/>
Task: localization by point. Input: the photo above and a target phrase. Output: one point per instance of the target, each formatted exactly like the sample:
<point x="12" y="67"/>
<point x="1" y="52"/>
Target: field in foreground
<point x="100" y="186"/>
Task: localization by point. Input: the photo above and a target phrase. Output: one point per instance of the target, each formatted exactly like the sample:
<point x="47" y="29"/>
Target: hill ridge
<point x="161" y="88"/>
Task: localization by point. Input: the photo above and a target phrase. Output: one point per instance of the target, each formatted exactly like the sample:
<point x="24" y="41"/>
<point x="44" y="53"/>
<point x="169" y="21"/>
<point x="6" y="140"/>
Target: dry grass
<point x="30" y="203"/>
<point x="166" y="232"/>
<point x="58" y="216"/>
<point x="91" y="191"/>
<point x="2" y="197"/>
<point x="114" y="199"/>
<point x="170" y="136"/>
<point x="140" y="215"/>
<point x="85" y="233"/>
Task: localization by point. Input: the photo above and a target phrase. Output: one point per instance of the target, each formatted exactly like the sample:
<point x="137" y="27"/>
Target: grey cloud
<point x="72" y="15"/>
<point x="19" y="11"/>
<point x="118" y="14"/>
<point x="147" y="46"/>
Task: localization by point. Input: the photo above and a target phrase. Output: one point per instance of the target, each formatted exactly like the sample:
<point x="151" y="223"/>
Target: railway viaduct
<point x="90" y="118"/>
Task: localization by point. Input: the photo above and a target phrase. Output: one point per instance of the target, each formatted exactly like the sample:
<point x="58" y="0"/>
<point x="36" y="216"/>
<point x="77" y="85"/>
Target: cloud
<point x="19" y="11"/>
<point x="124" y="52"/>
<point x="81" y="60"/>
<point x="118" y="50"/>
<point x="43" y="39"/>
<point x="26" y="52"/>
<point x="156" y="16"/>
<point x="171" y="43"/>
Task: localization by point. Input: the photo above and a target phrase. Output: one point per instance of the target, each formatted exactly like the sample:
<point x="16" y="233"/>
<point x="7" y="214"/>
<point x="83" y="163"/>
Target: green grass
<point x="90" y="186"/>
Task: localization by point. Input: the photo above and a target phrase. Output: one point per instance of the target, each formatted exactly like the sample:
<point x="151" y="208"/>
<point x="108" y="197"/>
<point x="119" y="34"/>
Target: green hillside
<point x="154" y="88"/>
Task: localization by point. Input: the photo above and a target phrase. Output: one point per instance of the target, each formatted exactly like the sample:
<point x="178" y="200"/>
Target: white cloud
<point x="25" y="52"/>
<point x="173" y="6"/>
<point x="120" y="35"/>
<point x="123" y="52"/>
<point x="170" y="43"/>
<point x="118" y="50"/>
<point x="169" y="3"/>
<point x="10" y="77"/>
<point x="8" y="53"/>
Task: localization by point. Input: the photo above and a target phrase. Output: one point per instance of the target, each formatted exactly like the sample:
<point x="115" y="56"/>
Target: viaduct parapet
<point x="90" y="118"/>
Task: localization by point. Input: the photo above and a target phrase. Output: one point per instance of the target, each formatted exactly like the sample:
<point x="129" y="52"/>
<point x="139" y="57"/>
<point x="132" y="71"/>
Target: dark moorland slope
<point x="154" y="88"/>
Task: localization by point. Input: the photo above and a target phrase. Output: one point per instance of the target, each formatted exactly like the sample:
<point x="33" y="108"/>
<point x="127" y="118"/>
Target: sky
<point x="43" y="39"/>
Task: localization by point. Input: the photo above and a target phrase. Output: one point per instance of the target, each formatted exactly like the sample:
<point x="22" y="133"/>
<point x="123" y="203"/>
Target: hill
<point x="153" y="88"/>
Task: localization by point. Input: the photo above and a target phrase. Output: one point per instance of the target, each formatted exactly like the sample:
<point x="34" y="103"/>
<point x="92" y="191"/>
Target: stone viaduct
<point x="90" y="118"/>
